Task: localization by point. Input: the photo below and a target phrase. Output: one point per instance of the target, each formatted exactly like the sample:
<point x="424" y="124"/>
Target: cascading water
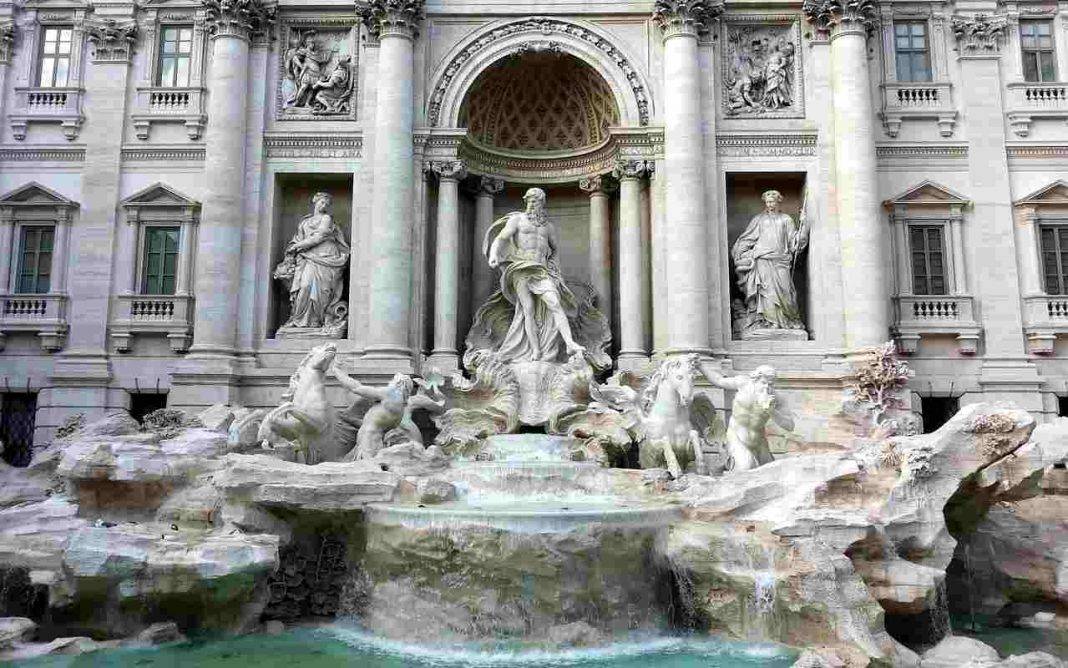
<point x="534" y="549"/>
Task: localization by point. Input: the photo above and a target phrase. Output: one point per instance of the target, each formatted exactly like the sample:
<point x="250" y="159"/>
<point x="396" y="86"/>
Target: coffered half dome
<point x="539" y="102"/>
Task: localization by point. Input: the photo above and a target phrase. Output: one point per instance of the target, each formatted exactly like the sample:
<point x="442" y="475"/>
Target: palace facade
<point x="159" y="161"/>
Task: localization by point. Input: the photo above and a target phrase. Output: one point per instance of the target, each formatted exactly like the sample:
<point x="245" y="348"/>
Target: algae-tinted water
<point x="316" y="648"/>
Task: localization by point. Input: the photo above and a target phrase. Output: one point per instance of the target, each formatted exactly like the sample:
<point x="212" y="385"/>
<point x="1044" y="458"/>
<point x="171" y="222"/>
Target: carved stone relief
<point x="762" y="71"/>
<point x="112" y="41"/>
<point x="981" y="33"/>
<point x="317" y="72"/>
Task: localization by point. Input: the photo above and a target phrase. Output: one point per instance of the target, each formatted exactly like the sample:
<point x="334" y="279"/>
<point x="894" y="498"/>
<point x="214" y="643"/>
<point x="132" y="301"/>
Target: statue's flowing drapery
<point x="764" y="255"/>
<point x="318" y="276"/>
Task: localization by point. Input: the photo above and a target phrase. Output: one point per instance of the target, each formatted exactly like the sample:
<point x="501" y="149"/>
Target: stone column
<point x="447" y="264"/>
<point x="60" y="250"/>
<point x="864" y="255"/>
<point x="632" y="261"/>
<point x="482" y="274"/>
<point x="1006" y="373"/>
<point x="185" y="255"/>
<point x="600" y="257"/>
<point x="218" y="276"/>
<point x="686" y="265"/>
<point x="7" y="47"/>
<point x="390" y="287"/>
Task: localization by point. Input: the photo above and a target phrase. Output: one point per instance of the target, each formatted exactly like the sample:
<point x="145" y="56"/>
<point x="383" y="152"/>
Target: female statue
<point x="314" y="269"/>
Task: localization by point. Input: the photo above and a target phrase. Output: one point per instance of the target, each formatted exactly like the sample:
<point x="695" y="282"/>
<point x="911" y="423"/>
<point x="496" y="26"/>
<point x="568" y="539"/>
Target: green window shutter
<point x="160" y="262"/>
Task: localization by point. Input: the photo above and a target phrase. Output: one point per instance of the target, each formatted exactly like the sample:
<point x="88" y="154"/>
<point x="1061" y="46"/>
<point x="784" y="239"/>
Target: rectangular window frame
<point x="20" y="254"/>
<point x="946" y="273"/>
<point x="1059" y="250"/>
<point x="1038" y="63"/>
<point x="174" y="78"/>
<point x="909" y="76"/>
<point x="48" y="78"/>
<point x="146" y="227"/>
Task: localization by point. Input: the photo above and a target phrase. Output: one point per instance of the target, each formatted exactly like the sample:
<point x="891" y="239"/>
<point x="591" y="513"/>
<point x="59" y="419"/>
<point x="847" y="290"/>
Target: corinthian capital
<point x="393" y="17"/>
<point x="633" y="169"/>
<point x="685" y="17"/>
<point x="238" y="18"/>
<point x="454" y="170"/>
<point x="840" y="15"/>
<point x="979" y="34"/>
<point x="112" y="42"/>
<point x="597" y="185"/>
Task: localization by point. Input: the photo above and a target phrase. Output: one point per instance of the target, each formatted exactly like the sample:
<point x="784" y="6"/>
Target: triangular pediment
<point x="1055" y="193"/>
<point x="928" y="193"/>
<point x="161" y="196"/>
<point x="34" y="194"/>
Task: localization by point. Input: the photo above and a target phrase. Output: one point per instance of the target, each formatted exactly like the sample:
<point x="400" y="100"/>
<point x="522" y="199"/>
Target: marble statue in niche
<point x="313" y="271"/>
<point x="760" y="71"/>
<point x="534" y="316"/>
<point x="317" y="74"/>
<point x="764" y="259"/>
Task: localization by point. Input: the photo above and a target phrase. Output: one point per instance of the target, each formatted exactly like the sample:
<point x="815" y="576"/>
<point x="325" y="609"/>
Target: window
<point x="175" y="56"/>
<point x="937" y="411"/>
<point x="1062" y="406"/>
<point x="55" y="57"/>
<point x="18" y="413"/>
<point x="912" y="53"/>
<point x="35" y="259"/>
<point x="1036" y="42"/>
<point x="928" y="260"/>
<point x="1054" y="242"/>
<point x="160" y="260"/>
<point x="143" y="403"/>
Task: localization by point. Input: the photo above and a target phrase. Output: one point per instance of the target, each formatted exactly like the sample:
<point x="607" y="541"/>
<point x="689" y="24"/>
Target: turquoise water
<point x="1012" y="640"/>
<point x="337" y="646"/>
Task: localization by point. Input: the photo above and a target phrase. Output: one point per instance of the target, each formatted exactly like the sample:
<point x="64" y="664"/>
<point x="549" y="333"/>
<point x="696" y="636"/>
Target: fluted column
<point x="686" y="236"/>
<point x="444" y="356"/>
<point x="217" y="284"/>
<point x="600" y="257"/>
<point x="390" y="289"/>
<point x="482" y="275"/>
<point x="632" y="260"/>
<point x="866" y="300"/>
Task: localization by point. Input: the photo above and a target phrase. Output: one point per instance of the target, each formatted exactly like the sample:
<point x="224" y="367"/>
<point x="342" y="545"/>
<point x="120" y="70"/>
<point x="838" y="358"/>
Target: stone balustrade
<point x="920" y="101"/>
<point x="45" y="315"/>
<point x="920" y="315"/>
<point x="168" y="105"/>
<point x="1029" y="100"/>
<point x="1045" y="317"/>
<point x="168" y="315"/>
<point x="47" y="105"/>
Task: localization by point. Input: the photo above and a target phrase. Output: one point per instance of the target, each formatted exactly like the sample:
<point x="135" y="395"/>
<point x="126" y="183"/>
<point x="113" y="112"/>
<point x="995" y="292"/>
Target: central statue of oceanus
<point x="535" y="315"/>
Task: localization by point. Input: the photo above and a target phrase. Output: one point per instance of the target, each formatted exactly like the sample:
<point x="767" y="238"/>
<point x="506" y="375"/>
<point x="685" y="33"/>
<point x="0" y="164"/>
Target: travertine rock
<point x="434" y="490"/>
<point x="331" y="486"/>
<point x="160" y="633"/>
<point x="15" y="630"/>
<point x="411" y="459"/>
<point x="1033" y="660"/>
<point x="957" y="651"/>
<point x="218" y="417"/>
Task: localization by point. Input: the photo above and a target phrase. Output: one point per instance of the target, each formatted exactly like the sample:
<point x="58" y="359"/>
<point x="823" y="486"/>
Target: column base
<point x="443" y="361"/>
<point x="629" y="360"/>
<point x="387" y="360"/>
<point x="199" y="381"/>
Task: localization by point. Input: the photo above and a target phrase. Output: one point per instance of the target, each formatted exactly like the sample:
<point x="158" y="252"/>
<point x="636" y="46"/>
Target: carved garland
<point x="112" y="42"/>
<point x="544" y="26"/>
<point x="980" y="33"/>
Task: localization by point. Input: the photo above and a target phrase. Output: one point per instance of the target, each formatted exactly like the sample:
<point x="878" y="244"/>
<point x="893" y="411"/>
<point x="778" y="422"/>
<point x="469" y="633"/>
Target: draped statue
<point x="535" y="316"/>
<point x="764" y="258"/>
<point x="313" y="270"/>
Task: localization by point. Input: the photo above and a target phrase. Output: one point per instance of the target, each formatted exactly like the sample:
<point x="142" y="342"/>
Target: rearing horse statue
<point x="668" y="435"/>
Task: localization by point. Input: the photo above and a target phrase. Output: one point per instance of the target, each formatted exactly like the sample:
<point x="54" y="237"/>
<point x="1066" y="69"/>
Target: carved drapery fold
<point x="244" y="19"/>
<point x="112" y="42"/>
<point x="633" y="169"/>
<point x="980" y="33"/>
<point x="839" y="15"/>
<point x="453" y="170"/>
<point x="392" y="17"/>
<point x="689" y="17"/>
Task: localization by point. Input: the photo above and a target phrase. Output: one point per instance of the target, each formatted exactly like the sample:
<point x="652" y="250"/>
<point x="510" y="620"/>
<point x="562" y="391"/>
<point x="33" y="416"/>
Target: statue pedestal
<point x="772" y="334"/>
<point x="324" y="333"/>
